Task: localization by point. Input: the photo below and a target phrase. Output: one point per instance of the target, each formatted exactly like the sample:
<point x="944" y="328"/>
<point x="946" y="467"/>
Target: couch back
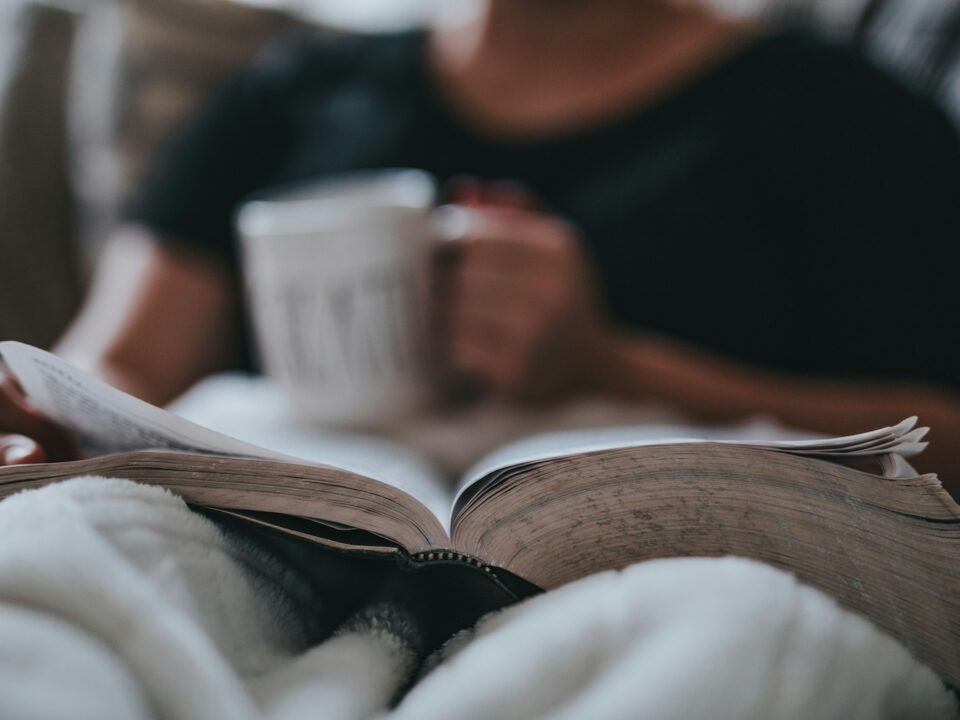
<point x="39" y="283"/>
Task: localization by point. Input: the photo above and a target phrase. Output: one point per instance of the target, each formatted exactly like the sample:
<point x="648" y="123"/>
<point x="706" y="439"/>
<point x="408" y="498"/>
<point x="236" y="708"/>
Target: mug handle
<point x="449" y="223"/>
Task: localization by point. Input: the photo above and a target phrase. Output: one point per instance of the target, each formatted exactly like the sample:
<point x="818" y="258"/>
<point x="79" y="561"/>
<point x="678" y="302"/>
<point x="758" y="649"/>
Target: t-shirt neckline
<point x="674" y="99"/>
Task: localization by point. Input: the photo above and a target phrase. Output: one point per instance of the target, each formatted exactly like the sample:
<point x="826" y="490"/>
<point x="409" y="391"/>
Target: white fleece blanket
<point x="117" y="602"/>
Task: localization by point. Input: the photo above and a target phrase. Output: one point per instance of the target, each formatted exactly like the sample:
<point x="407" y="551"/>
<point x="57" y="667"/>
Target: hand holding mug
<point x="520" y="306"/>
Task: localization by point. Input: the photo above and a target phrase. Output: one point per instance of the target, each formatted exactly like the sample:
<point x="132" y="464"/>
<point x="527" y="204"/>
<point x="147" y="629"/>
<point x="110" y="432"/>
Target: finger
<point x="450" y="226"/>
<point x="20" y="450"/>
<point x="471" y="191"/>
<point x="480" y="341"/>
<point x="510" y="194"/>
<point x="464" y="190"/>
<point x="18" y="417"/>
<point x="469" y="356"/>
<point x="484" y="362"/>
<point x="519" y="234"/>
<point x="504" y="288"/>
<point x="15" y="413"/>
<point x="504" y="257"/>
<point x="490" y="261"/>
<point x="482" y="349"/>
<point x="485" y="330"/>
<point x="510" y="239"/>
<point x="511" y="317"/>
<point x="9" y="385"/>
<point x="514" y="306"/>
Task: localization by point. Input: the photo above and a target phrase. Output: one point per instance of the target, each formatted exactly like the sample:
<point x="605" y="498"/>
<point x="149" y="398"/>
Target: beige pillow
<point x="144" y="68"/>
<point x="174" y="53"/>
<point x="39" y="279"/>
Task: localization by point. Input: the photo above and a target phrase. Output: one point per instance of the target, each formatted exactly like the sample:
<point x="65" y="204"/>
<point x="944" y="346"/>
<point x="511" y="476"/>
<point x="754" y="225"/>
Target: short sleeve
<point x="226" y="152"/>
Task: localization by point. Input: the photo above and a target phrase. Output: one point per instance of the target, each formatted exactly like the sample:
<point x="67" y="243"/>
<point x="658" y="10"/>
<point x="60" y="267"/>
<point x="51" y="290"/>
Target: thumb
<point x="20" y="450"/>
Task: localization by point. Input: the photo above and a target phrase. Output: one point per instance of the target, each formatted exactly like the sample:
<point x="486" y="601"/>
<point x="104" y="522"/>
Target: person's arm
<point x="715" y="389"/>
<point x="157" y="319"/>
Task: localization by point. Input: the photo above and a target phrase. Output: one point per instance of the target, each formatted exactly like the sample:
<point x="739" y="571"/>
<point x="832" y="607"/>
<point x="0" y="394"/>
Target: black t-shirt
<point x="790" y="207"/>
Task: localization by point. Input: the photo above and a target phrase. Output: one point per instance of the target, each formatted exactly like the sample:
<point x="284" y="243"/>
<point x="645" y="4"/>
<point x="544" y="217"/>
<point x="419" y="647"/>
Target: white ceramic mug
<point x="338" y="275"/>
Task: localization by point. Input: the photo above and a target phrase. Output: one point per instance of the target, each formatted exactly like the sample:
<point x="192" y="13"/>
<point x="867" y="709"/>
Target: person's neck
<point x="574" y="33"/>
<point x="540" y="66"/>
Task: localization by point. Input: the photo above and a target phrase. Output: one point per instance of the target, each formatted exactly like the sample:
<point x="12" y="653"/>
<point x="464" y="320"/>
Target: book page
<point x="903" y="439"/>
<point x="252" y="409"/>
<point x="106" y="420"/>
<point x="887" y="549"/>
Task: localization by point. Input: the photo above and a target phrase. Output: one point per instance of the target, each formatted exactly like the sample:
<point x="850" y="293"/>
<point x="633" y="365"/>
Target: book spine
<point x="451" y="556"/>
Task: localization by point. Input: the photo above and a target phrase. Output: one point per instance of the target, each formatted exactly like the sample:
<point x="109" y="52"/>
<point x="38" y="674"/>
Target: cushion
<point x="39" y="279"/>
<point x="161" y="59"/>
<point x="174" y="52"/>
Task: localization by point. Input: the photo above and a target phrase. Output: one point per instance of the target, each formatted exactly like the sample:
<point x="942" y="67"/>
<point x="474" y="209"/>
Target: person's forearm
<point x="713" y="389"/>
<point x="157" y="320"/>
<point x="131" y="382"/>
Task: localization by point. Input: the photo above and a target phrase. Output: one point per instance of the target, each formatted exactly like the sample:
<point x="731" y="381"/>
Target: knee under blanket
<point x="116" y="601"/>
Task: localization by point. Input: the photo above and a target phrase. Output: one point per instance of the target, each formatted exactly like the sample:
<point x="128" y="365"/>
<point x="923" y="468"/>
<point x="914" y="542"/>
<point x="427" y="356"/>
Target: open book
<point x="848" y="515"/>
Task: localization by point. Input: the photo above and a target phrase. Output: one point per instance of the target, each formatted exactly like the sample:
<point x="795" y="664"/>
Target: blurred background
<point x="90" y="89"/>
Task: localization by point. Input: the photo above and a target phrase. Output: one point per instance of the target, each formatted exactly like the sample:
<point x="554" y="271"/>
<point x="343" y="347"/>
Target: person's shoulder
<point x="826" y="81"/>
<point x="801" y="55"/>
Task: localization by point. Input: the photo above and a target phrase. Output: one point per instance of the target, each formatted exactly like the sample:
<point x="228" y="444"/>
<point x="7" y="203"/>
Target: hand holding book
<point x="26" y="435"/>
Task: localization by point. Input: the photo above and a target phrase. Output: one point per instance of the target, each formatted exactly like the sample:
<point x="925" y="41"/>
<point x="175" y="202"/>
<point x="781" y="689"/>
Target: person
<point x="669" y="205"/>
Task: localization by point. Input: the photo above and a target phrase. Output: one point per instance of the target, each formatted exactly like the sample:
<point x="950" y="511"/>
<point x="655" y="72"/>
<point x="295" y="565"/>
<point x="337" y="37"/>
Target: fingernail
<point x="19" y="452"/>
<point x="452" y="222"/>
<point x="16" y="455"/>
